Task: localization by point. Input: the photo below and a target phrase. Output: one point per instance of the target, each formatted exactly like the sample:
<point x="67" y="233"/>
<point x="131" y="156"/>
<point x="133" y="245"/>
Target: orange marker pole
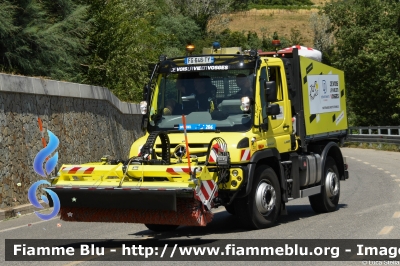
<point x="42" y="132"/>
<point x="187" y="143"/>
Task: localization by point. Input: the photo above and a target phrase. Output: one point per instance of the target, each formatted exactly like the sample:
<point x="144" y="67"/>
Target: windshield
<point x="210" y="100"/>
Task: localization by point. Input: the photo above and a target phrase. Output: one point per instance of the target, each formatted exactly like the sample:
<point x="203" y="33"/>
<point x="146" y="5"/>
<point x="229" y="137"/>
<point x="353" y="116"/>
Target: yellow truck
<point x="249" y="131"/>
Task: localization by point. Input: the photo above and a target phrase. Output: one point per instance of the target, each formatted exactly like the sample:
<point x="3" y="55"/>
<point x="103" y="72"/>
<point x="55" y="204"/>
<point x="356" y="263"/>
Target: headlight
<point x="143" y="107"/>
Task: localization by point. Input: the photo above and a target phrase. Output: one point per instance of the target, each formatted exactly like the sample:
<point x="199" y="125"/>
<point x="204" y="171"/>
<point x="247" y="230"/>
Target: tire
<point x="328" y="199"/>
<point x="261" y="208"/>
<point x="161" y="227"/>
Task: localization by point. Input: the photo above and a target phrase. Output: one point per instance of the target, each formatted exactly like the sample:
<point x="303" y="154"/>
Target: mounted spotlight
<point x="190" y="48"/>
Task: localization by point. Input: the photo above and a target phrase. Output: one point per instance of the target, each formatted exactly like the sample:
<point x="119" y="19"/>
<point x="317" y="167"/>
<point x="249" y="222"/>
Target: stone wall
<point x="89" y="121"/>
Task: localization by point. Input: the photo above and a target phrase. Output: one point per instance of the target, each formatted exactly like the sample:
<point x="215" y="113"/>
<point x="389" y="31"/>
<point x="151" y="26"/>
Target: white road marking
<point x="373" y="165"/>
<point x="386" y="230"/>
<point x="358" y="160"/>
<point x="26" y="225"/>
<point x="393" y="175"/>
<point x="397" y="180"/>
<point x="366" y="162"/>
<point x="396" y="215"/>
<point x="380" y="169"/>
<point x="387" y="172"/>
<point x="76" y="262"/>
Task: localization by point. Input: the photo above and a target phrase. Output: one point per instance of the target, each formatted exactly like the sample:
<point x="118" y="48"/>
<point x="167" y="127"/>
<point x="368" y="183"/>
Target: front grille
<point x="199" y="150"/>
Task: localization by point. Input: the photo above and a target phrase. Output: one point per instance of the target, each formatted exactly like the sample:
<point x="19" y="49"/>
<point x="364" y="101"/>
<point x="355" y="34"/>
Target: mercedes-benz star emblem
<point x="180" y="151"/>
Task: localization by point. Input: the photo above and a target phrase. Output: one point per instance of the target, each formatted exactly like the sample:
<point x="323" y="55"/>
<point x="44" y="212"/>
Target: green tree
<point x="229" y="38"/>
<point x="323" y="36"/>
<point x="238" y="5"/>
<point x="202" y="11"/>
<point x="367" y="36"/>
<point x="253" y="41"/>
<point x="43" y="38"/>
<point x="178" y="31"/>
<point x="267" y="42"/>
<point x="296" y="37"/>
<point x="123" y="44"/>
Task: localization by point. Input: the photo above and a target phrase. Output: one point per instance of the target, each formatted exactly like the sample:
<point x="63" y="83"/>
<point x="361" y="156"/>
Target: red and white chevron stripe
<point x="177" y="170"/>
<point x="245" y="155"/>
<point x="215" y="149"/>
<point x="207" y="192"/>
<point x="77" y="170"/>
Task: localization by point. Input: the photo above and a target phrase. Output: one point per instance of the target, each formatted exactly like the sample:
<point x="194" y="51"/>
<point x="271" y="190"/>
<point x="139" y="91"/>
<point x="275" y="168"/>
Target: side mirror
<point x="270" y="91"/>
<point x="273" y="109"/>
<point x="145" y="92"/>
<point x="144" y="123"/>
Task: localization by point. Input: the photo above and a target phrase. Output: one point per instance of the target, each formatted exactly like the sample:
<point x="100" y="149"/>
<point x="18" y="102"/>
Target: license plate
<point x="199" y="60"/>
<point x="198" y="126"/>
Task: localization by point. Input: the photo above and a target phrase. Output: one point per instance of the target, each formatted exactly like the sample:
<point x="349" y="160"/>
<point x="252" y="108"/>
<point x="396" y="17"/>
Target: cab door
<point x="279" y="126"/>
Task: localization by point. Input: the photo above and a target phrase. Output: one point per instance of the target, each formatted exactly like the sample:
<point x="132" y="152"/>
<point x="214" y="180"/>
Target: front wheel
<point x="261" y="208"/>
<point x="328" y="199"/>
<point x="161" y="227"/>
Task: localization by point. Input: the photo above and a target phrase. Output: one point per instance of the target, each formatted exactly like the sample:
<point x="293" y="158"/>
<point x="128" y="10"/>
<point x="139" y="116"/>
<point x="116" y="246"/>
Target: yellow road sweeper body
<point x="248" y="131"/>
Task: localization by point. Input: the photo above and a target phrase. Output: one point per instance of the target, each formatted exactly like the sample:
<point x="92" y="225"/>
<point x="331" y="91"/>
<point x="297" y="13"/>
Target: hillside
<point x="268" y="21"/>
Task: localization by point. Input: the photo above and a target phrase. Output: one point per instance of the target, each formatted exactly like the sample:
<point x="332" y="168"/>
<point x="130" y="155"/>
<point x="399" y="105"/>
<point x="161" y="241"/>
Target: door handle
<point x="286" y="127"/>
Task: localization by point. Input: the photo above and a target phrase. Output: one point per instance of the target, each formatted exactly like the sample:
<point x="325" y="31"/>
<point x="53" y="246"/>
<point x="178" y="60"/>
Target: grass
<point x="267" y="21"/>
<point x="281" y="7"/>
<point x="374" y="146"/>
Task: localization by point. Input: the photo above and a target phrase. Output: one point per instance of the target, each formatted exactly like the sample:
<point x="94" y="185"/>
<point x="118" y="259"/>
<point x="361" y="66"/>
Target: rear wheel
<point x="261" y="208"/>
<point x="161" y="227"/>
<point x="328" y="199"/>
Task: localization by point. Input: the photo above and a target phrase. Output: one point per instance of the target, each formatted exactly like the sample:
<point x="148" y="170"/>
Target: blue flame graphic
<point x="32" y="198"/>
<point x="38" y="167"/>
<point x="44" y="153"/>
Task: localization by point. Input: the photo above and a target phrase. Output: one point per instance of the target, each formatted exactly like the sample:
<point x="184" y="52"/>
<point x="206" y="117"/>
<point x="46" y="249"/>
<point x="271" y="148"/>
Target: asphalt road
<point x="369" y="208"/>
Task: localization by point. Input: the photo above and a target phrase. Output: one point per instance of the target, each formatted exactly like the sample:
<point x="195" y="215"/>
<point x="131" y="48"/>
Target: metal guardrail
<point x="379" y="134"/>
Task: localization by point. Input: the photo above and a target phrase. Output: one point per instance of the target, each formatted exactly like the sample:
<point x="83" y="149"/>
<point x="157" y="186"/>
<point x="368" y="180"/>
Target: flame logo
<point x="44" y="153"/>
<point x="32" y="198"/>
<point x="40" y="159"/>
